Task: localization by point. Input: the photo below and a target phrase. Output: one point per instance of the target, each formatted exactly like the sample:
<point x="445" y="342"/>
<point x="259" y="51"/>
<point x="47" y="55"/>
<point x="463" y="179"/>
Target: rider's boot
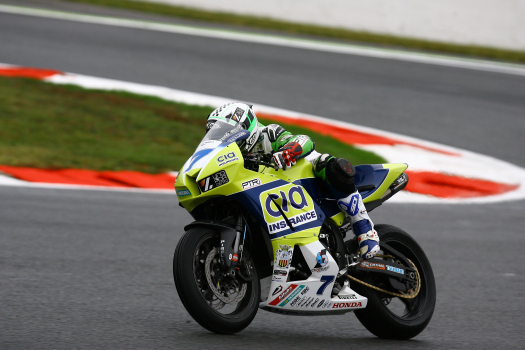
<point x="362" y="226"/>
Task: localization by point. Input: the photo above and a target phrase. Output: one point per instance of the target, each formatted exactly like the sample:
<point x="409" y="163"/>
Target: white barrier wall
<point x="496" y="23"/>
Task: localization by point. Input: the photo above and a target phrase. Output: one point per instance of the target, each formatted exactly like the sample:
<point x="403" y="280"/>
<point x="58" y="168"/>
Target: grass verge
<point x="44" y="125"/>
<point x="326" y="32"/>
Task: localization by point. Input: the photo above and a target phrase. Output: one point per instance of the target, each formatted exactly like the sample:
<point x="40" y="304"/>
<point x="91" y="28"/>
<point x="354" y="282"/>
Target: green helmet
<point x="242" y="114"/>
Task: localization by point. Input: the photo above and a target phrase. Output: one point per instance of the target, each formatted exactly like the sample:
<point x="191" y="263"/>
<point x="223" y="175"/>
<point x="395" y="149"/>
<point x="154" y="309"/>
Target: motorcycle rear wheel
<point x="195" y="263"/>
<point x="392" y="317"/>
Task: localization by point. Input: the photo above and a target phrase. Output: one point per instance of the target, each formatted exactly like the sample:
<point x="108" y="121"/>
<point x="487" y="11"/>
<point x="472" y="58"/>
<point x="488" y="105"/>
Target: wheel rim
<point x="223" y="293"/>
<point x="225" y="287"/>
<point x="404" y="308"/>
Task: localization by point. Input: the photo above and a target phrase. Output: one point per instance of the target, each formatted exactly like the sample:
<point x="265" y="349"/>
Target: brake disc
<point x="231" y="291"/>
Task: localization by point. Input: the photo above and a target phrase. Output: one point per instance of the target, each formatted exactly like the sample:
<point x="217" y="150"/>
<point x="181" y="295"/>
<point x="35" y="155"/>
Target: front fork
<point x="232" y="250"/>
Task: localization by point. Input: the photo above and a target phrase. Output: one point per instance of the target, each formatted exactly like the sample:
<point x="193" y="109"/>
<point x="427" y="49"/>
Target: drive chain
<point x="406" y="296"/>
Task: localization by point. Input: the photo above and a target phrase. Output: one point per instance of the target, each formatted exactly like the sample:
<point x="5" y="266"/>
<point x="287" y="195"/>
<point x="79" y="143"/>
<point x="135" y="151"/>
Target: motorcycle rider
<point x="336" y="173"/>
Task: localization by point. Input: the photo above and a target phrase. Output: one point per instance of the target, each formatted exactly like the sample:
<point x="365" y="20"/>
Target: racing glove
<point x="286" y="157"/>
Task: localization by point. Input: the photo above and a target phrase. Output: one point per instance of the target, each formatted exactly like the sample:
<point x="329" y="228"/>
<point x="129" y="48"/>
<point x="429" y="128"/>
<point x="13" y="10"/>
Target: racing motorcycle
<point x="264" y="238"/>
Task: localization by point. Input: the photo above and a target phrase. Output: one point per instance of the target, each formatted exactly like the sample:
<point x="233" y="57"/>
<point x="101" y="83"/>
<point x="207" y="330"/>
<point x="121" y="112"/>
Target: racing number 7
<point x="327" y="280"/>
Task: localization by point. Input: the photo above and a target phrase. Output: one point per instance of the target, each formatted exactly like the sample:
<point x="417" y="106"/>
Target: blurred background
<point x="93" y="269"/>
<point x="485" y="23"/>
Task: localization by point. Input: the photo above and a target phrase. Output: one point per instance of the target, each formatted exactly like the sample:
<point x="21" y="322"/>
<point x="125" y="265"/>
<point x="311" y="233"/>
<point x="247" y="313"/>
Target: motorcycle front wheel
<point x="220" y="302"/>
<point x="391" y="317"/>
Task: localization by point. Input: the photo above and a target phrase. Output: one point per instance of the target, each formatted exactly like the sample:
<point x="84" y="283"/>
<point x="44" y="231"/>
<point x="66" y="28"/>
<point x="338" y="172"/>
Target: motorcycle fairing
<point x="369" y="175"/>
<point x="227" y="158"/>
<point x="306" y="296"/>
<point x="371" y="180"/>
<point x="264" y="202"/>
<point x="207" y="149"/>
<point x="302" y="174"/>
<point x="292" y="218"/>
<point x="313" y="295"/>
<point x="280" y="207"/>
<point x="380" y="175"/>
<point x="270" y="200"/>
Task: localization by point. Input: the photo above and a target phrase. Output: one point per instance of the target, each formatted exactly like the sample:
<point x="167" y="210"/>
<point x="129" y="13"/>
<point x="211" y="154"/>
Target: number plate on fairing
<point x="213" y="181"/>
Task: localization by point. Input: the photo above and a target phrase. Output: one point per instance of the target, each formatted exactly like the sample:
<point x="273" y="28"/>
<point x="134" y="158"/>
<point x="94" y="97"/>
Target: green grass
<point x="326" y="144"/>
<point x="44" y="125"/>
<point x="326" y="32"/>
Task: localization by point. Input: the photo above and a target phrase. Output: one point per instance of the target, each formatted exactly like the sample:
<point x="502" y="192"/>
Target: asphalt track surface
<point x="92" y="269"/>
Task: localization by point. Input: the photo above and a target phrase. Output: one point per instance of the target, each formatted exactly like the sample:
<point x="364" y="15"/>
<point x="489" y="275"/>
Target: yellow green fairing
<point x="254" y="189"/>
<point x="266" y="193"/>
<point x="236" y="173"/>
<point x="230" y="160"/>
<point x="301" y="170"/>
<point x="338" y="218"/>
<point x="300" y="238"/>
<point x="395" y="170"/>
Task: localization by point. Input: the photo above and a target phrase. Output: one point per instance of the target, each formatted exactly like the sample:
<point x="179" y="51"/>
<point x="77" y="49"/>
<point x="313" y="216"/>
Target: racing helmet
<point x="242" y="114"/>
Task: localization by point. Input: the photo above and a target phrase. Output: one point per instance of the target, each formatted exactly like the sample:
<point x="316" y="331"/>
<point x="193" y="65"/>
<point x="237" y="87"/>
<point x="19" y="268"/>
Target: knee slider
<point x="344" y="168"/>
<point x="340" y="173"/>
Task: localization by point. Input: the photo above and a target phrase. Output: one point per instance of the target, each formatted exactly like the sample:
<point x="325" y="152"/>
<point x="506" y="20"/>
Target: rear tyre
<point x="391" y="317"/>
<point x="219" y="302"/>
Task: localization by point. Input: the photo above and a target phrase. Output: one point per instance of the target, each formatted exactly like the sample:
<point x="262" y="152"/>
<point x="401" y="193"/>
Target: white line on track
<point x="464" y="163"/>
<point x="316" y="45"/>
<point x="11" y="182"/>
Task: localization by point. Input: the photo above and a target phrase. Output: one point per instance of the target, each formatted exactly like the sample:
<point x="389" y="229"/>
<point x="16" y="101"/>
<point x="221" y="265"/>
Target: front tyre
<point x="391" y="317"/>
<point x="219" y="302"/>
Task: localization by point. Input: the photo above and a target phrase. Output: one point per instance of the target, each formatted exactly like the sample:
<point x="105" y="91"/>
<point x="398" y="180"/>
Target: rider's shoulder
<point x="274" y="131"/>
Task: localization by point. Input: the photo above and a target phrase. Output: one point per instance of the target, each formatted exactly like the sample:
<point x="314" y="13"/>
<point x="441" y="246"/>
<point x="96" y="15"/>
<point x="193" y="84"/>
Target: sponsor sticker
<point x="344" y="305"/>
<point x="237" y="115"/>
<point x="218" y="179"/>
<point x="309" y="302"/>
<point x="328" y="304"/>
<point x="277" y="290"/>
<point x="226" y="158"/>
<point x="293" y="200"/>
<point x="283" y="255"/>
<point x="346" y="297"/>
<point x="371" y="265"/>
<point x="251" y="184"/>
<point x="204" y="143"/>
<point x="280" y="276"/>
<point x="252" y="139"/>
<point x="354" y="204"/>
<point x="301" y="139"/>
<point x="293" y="295"/>
<point x="283" y="295"/>
<point x="233" y="134"/>
<point x="321" y="262"/>
<point x="183" y="193"/>
<point x="295" y="301"/>
<point x="395" y="269"/>
<point x="315" y="302"/>
<point x="304" y="301"/>
<point x="236" y="136"/>
<point x="286" y="138"/>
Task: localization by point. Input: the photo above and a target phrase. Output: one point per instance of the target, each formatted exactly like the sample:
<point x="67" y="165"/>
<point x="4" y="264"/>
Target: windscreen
<point x="222" y="133"/>
<point x="221" y="130"/>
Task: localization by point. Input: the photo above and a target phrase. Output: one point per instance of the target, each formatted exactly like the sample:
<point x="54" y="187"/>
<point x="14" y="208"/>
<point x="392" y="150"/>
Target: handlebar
<point x="253" y="160"/>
